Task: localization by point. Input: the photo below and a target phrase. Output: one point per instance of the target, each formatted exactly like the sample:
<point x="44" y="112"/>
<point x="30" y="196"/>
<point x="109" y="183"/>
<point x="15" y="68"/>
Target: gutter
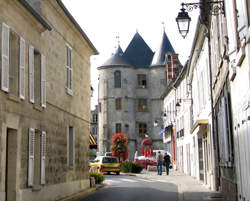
<point x="77" y="26"/>
<point x="35" y="14"/>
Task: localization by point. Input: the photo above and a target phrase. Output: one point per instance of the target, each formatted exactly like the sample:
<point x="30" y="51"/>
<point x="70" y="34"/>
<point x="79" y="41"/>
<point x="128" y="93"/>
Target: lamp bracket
<point x="215" y="7"/>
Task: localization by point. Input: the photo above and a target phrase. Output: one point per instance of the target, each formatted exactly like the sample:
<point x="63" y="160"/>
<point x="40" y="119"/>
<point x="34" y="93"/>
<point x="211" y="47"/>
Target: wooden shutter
<point x="22" y="69"/>
<point x="31" y="156"/>
<point x="43" y="81"/>
<point x="43" y="156"/>
<point x="5" y="57"/>
<point x="31" y="74"/>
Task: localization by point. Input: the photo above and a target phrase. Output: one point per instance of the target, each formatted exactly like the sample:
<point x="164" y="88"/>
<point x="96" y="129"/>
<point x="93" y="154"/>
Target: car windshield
<point x="109" y="160"/>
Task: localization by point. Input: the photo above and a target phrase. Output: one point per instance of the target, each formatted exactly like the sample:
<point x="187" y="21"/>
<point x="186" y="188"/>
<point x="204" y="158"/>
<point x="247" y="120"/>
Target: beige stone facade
<point x="44" y="102"/>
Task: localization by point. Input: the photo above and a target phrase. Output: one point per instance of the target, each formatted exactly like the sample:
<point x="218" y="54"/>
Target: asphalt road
<point x="131" y="188"/>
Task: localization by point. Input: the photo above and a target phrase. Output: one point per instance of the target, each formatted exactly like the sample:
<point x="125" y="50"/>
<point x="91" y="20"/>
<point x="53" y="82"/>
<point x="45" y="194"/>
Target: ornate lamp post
<point x="183" y="19"/>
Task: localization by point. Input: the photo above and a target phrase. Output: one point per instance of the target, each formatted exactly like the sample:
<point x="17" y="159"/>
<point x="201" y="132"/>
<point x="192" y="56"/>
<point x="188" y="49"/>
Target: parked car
<point x="106" y="164"/>
<point x="145" y="161"/>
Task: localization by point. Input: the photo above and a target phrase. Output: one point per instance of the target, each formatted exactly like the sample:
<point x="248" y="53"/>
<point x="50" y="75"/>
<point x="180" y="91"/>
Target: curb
<point x="82" y="194"/>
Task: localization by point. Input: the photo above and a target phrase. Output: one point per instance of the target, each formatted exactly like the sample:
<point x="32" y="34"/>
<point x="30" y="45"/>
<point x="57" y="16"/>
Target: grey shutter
<point x="5" y="58"/>
<point x="43" y="81"/>
<point x="43" y="156"/>
<point x="225" y="129"/>
<point x="31" y="74"/>
<point x="31" y="156"/>
<point x="71" y="147"/>
<point x="22" y="69"/>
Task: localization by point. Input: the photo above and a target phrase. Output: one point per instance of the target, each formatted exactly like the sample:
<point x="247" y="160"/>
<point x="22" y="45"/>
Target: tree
<point x="120" y="146"/>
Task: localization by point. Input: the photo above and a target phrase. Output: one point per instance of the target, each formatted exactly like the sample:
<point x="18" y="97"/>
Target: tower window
<point x="142" y="81"/>
<point x="117" y="77"/>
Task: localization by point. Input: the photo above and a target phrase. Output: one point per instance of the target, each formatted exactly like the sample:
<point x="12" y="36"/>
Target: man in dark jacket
<point x="167" y="162"/>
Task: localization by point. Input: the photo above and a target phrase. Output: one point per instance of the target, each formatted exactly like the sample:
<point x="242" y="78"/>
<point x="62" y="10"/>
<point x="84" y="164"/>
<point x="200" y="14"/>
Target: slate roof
<point x="160" y="54"/>
<point x="138" y="53"/>
<point x="116" y="59"/>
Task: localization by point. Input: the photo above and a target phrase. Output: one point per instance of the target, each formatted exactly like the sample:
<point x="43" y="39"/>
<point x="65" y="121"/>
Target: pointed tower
<point x="116" y="59"/>
<point x="138" y="53"/>
<point x="165" y="47"/>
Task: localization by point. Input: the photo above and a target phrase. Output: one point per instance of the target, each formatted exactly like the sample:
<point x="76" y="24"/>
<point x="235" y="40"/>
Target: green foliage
<point x="92" y="154"/>
<point x="99" y="178"/>
<point x="131" y="167"/>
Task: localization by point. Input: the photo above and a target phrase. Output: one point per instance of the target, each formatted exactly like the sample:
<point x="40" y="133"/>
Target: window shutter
<point x="43" y="155"/>
<point x="31" y="74"/>
<point x="5" y="58"/>
<point x="31" y="156"/>
<point x="242" y="18"/>
<point x="43" y="81"/>
<point x="22" y="69"/>
<point x="225" y="130"/>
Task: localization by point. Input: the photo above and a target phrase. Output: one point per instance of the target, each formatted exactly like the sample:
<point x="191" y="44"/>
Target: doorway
<point x="11" y="165"/>
<point x="201" y="166"/>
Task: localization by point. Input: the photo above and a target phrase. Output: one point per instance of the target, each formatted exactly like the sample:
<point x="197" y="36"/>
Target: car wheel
<point x="117" y="173"/>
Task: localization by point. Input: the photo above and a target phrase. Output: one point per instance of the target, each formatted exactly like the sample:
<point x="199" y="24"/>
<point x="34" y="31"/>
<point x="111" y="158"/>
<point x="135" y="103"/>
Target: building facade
<point x="130" y="88"/>
<point x="44" y="101"/>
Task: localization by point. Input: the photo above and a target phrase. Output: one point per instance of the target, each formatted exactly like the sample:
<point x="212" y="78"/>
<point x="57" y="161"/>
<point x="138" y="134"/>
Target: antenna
<point x="163" y="26"/>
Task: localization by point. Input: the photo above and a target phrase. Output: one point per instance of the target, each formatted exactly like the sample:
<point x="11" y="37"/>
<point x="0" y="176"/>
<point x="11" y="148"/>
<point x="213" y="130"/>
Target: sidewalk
<point x="189" y="188"/>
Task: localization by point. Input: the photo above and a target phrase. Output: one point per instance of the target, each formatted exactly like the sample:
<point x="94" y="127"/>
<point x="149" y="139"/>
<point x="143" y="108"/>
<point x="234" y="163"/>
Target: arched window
<point x="117" y="77"/>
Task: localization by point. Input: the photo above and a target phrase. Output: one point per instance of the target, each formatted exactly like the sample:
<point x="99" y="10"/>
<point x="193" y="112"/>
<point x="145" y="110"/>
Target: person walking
<point x="159" y="163"/>
<point x="167" y="162"/>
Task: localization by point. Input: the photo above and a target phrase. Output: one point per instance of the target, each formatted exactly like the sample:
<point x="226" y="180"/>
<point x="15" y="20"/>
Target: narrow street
<point x="131" y="188"/>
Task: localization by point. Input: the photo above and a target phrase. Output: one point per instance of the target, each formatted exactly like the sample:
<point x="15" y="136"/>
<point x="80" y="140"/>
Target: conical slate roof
<point x="138" y="53"/>
<point x="116" y="59"/>
<point x="160" y="54"/>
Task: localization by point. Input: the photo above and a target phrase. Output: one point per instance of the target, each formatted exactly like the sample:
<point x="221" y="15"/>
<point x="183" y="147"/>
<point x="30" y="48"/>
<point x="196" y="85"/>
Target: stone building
<point x="44" y="101"/>
<point x="94" y="122"/>
<point x="130" y="87"/>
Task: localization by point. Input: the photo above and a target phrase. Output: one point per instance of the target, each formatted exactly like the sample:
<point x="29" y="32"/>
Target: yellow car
<point x="106" y="164"/>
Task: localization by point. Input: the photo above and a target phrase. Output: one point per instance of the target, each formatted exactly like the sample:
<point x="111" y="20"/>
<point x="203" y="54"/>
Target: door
<point x="201" y="168"/>
<point x="11" y="165"/>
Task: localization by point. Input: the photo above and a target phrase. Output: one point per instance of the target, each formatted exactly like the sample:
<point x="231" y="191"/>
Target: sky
<point x="106" y="22"/>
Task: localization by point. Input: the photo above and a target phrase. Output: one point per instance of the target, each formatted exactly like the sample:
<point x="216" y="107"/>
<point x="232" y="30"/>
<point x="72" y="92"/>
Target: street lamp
<point x="183" y="19"/>
<point x="183" y="22"/>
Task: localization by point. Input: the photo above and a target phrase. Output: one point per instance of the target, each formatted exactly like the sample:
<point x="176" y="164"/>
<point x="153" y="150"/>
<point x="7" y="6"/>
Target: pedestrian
<point x="159" y="163"/>
<point x="167" y="162"/>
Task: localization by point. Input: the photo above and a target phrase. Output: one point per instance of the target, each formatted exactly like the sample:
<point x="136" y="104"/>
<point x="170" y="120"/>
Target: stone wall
<point x="62" y="109"/>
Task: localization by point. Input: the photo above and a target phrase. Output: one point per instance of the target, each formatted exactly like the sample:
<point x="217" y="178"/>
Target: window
<point x="13" y="62"/>
<point x="117" y="77"/>
<point x="100" y="107"/>
<point x="71" y="147"/>
<point x="94" y="118"/>
<point x="69" y="68"/>
<point x="118" y="128"/>
<point x="118" y="103"/>
<point x="142" y="129"/>
<point x="37" y="154"/>
<point x="142" y="105"/>
<point x="37" y="77"/>
<point x="142" y="81"/>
